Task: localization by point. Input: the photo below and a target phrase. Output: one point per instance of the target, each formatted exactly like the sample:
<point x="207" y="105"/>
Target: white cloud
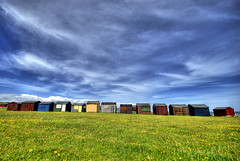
<point x="28" y="97"/>
<point x="216" y="66"/>
<point x="32" y="22"/>
<point x="32" y="62"/>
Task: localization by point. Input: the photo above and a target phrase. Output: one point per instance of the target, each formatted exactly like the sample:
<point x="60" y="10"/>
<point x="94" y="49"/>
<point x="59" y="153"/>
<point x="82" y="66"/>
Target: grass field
<point x="91" y="136"/>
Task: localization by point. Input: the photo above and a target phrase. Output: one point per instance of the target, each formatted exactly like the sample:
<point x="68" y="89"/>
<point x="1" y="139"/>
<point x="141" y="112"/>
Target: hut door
<point x="80" y="109"/>
<point x="63" y="108"/>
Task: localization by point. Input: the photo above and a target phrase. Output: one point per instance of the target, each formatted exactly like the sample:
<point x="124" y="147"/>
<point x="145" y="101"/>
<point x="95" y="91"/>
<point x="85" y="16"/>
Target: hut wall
<point x="191" y="110"/>
<point x="76" y="108"/>
<point x="126" y="109"/>
<point x="160" y="110"/>
<point x="108" y="109"/>
<point x="57" y="108"/>
<point x="143" y="110"/>
<point x="79" y="108"/>
<point x="94" y="108"/>
<point x="14" y="106"/>
<point x="230" y="111"/>
<point x="134" y="108"/>
<point x="198" y="111"/>
<point x="62" y="107"/>
<point x="178" y="110"/>
<point x="46" y="107"/>
<point x="29" y="107"/>
<point x="185" y="111"/>
<point x="154" y="110"/>
<point x="171" y="110"/>
<point x="201" y="112"/>
<point x="68" y="107"/>
<point x="43" y="107"/>
<point x="220" y="112"/>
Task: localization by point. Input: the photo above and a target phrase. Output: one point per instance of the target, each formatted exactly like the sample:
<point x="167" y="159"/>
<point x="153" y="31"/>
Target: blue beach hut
<point x="46" y="106"/>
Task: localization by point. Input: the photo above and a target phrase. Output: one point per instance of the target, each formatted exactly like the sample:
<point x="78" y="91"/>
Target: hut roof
<point x="62" y="102"/>
<point x="143" y="104"/>
<point x="80" y="104"/>
<point x="221" y="108"/>
<point x="31" y="101"/>
<point x="199" y="105"/>
<point x="92" y="102"/>
<point x="109" y="103"/>
<point x="45" y="103"/>
<point x="178" y="105"/>
<point x="16" y="102"/>
<point x="159" y="104"/>
<point x="126" y="104"/>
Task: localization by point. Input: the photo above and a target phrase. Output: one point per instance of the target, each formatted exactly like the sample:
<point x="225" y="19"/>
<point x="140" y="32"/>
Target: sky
<point x="124" y="51"/>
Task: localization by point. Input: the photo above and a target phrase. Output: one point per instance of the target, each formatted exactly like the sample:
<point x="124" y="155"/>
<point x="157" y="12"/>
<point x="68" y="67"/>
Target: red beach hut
<point x="160" y="109"/>
<point x="223" y="111"/>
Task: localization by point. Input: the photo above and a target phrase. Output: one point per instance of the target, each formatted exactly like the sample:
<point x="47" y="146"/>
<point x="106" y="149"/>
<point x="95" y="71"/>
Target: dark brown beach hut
<point x="223" y="111"/>
<point x="143" y="108"/>
<point x="178" y="109"/>
<point x="14" y="106"/>
<point x="160" y="109"/>
<point x="198" y="110"/>
<point x="134" y="108"/>
<point x="126" y="108"/>
<point x="29" y="106"/>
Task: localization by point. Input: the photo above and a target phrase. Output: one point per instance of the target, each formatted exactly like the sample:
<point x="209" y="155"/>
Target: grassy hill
<point x="91" y="136"/>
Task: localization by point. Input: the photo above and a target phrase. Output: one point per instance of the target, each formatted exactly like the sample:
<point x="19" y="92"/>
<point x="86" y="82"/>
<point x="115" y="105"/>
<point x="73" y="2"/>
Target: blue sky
<point x="124" y="51"/>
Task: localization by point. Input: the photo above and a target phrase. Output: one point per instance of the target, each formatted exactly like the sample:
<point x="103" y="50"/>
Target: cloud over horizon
<point x="127" y="51"/>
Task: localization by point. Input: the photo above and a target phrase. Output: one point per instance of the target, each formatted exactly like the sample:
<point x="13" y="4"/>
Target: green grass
<point x="91" y="136"/>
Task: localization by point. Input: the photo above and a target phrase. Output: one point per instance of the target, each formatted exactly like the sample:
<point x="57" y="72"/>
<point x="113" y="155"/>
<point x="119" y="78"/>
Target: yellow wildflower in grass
<point x="180" y="158"/>
<point x="64" y="159"/>
<point x="30" y="150"/>
<point x="58" y="154"/>
<point x="206" y="157"/>
<point x="55" y="152"/>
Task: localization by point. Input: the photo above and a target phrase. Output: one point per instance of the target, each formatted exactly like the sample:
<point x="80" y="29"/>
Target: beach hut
<point x="46" y="106"/>
<point x="14" y="106"/>
<point x="143" y="108"/>
<point x="223" y="111"/>
<point x="198" y="110"/>
<point x="79" y="107"/>
<point x="134" y="108"/>
<point x="62" y="106"/>
<point x="178" y="109"/>
<point x="126" y="108"/>
<point x="93" y="106"/>
<point x="3" y="104"/>
<point x="160" y="109"/>
<point x="109" y="107"/>
<point x="29" y="106"/>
